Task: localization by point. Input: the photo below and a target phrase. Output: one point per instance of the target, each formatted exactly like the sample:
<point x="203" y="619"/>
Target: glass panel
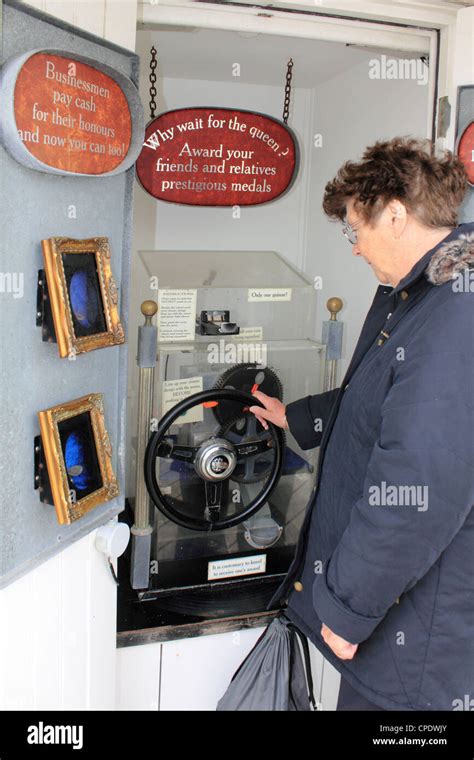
<point x="221" y="269"/>
<point x="293" y="371"/>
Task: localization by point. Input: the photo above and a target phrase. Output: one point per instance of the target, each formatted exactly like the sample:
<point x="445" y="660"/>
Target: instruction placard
<point x="176" y="315"/>
<point x="177" y="390"/>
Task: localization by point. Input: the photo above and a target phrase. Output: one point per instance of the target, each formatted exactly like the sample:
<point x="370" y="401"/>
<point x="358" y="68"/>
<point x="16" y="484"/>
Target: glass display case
<point x="240" y="321"/>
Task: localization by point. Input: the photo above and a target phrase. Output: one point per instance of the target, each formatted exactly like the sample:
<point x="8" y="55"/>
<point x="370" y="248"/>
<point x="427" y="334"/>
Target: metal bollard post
<point x="332" y="337"/>
<point x="142" y="527"/>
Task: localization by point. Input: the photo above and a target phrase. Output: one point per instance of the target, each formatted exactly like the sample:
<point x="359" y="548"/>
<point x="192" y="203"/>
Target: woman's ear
<point x="397" y="209"/>
<point x="396" y="218"/>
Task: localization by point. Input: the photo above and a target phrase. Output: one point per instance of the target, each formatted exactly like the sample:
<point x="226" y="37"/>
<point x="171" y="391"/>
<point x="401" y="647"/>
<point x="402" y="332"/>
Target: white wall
<point x="351" y="112"/>
<point x="114" y="20"/>
<point x="186" y="674"/>
<point x="58" y="633"/>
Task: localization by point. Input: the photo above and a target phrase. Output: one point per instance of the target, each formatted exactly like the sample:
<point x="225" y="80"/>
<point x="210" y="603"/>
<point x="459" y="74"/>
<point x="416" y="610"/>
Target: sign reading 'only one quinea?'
<point x="70" y="115"/>
<point x="217" y="157"/>
<point x="269" y="294"/>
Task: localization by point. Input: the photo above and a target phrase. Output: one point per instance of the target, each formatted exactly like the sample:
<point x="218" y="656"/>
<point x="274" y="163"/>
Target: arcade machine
<point x="219" y="500"/>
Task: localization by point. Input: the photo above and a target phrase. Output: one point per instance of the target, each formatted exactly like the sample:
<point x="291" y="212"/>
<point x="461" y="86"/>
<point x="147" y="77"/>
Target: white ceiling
<point x="208" y="54"/>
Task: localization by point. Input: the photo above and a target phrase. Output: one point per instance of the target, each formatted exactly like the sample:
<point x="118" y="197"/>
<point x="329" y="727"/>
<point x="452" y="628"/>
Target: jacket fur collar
<point x="451" y="259"/>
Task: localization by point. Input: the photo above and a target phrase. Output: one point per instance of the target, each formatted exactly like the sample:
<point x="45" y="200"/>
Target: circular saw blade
<point x="245" y="428"/>
<point x="246" y="377"/>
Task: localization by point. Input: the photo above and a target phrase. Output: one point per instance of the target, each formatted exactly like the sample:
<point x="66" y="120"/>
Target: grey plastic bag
<point x="272" y="676"/>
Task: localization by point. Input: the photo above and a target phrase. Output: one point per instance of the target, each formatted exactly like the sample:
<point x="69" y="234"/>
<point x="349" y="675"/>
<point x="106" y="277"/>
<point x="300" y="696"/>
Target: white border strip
<point x="277" y="22"/>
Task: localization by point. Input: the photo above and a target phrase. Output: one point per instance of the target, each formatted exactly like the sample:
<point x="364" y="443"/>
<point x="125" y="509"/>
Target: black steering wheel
<point x="214" y="461"/>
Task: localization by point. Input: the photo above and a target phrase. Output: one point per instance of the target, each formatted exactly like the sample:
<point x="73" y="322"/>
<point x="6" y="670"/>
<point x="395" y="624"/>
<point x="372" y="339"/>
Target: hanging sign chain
<point x="286" y="106"/>
<point x="153" y="64"/>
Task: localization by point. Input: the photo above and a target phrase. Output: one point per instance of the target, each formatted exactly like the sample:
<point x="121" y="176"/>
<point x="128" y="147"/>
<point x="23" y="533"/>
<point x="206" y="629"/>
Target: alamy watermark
<point x="463" y="282"/>
<point x="399" y="68"/>
<point x="12" y="283"/>
<point x="48" y="734"/>
<point x="399" y="496"/>
<point x="464" y="703"/>
<point x="237" y="353"/>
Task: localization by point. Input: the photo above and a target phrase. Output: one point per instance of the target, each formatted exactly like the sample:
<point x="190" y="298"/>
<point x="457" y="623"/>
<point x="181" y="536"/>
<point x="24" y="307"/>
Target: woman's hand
<point x="274" y="411"/>
<point x="341" y="648"/>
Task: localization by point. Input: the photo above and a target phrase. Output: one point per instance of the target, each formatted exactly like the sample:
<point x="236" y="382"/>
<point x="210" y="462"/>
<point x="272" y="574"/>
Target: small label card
<point x="269" y="294"/>
<point x="228" y="568"/>
<point x="254" y="334"/>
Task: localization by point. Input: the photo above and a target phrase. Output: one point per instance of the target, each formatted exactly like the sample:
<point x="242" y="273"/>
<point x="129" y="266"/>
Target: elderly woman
<point x="383" y="575"/>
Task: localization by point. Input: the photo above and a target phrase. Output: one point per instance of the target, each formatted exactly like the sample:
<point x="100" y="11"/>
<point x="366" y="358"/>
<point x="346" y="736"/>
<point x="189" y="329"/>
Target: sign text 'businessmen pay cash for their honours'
<point x="70" y="115"/>
<point x="217" y="157"/>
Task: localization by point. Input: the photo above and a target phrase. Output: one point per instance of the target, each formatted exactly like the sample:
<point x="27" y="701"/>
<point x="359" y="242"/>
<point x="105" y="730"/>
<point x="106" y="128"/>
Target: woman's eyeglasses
<point x="349" y="232"/>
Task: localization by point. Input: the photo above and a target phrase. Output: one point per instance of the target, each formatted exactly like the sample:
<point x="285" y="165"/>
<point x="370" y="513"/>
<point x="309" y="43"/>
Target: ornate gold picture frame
<point x="77" y="456"/>
<point x="81" y="294"/>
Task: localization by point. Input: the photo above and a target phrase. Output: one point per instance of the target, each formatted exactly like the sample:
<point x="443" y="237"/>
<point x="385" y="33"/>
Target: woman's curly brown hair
<point x="431" y="188"/>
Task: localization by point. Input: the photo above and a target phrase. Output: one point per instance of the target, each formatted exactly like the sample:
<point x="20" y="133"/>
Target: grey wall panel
<point x="36" y="205"/>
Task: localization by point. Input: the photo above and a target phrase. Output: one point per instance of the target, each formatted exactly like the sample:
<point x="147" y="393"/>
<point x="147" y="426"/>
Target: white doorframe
<point x="393" y="35"/>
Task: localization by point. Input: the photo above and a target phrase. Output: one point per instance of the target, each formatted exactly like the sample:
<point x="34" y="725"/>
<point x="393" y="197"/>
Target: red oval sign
<point x="70" y="115"/>
<point x="217" y="157"/>
<point x="466" y="151"/>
